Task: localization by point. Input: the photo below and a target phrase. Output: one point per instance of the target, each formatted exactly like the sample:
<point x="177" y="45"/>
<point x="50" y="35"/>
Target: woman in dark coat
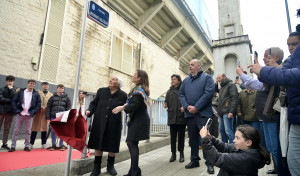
<point x="138" y="119"/>
<point x="243" y="158"/>
<point x="176" y="119"/>
<point x="106" y="128"/>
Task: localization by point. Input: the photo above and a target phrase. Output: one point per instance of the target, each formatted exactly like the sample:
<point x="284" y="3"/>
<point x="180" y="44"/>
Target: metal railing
<point x="158" y="119"/>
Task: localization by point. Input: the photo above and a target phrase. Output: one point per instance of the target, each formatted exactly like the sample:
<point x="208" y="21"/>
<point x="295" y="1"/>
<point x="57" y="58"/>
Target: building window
<point x="121" y="55"/>
<point x="51" y="45"/>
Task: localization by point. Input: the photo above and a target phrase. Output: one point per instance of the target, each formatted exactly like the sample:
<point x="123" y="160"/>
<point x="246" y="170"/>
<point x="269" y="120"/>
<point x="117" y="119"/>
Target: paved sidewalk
<point x="154" y="163"/>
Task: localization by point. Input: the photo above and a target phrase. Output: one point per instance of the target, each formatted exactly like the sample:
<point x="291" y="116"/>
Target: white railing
<point x="158" y="119"/>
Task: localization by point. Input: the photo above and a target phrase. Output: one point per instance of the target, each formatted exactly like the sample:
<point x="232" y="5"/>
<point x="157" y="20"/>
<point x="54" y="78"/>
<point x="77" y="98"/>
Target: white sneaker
<point x="44" y="146"/>
<point x="30" y="146"/>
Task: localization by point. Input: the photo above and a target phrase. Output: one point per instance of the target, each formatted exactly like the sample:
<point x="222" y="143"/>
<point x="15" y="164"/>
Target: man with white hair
<point x="264" y="102"/>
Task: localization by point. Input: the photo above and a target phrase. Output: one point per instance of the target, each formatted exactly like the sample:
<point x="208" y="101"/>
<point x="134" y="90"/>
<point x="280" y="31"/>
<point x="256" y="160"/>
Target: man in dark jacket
<point x="227" y="106"/>
<point x="25" y="104"/>
<point x="59" y="102"/>
<point x="265" y="98"/>
<point x="6" y="113"/>
<point x="288" y="76"/>
<point x="195" y="95"/>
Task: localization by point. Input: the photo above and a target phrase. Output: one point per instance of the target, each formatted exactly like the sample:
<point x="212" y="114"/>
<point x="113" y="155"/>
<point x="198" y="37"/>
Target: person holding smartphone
<point x="244" y="157"/>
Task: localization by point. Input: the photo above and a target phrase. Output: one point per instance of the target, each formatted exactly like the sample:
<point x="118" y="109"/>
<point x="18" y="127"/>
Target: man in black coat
<point x="6" y="113"/>
<point x="25" y="104"/>
<point x="59" y="102"/>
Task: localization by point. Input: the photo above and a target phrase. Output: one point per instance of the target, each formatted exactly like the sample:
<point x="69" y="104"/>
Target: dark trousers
<point x="7" y="119"/>
<point x="194" y="125"/>
<point x="43" y="137"/>
<point x="174" y="130"/>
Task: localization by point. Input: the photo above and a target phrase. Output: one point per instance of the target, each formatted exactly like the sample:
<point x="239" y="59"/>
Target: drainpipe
<point x="140" y="56"/>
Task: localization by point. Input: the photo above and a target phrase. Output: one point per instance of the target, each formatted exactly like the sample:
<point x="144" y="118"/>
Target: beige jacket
<point x="39" y="122"/>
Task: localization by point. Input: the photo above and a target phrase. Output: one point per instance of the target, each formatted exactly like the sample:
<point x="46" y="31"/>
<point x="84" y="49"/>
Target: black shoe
<point x="192" y="165"/>
<point x="12" y="149"/>
<point x="96" y="170"/>
<point x="110" y="166"/>
<point x="181" y="158"/>
<point x="210" y="170"/>
<point x="27" y="149"/>
<point x="138" y="172"/>
<point x="272" y="171"/>
<point x="173" y="157"/>
<point x="4" y="146"/>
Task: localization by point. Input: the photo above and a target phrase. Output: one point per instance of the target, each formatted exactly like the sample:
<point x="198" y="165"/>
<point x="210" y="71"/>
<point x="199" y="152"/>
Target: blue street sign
<point x="98" y="14"/>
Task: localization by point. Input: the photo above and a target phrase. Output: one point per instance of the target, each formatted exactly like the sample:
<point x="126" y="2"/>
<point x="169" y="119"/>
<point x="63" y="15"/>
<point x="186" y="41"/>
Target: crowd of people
<point x="247" y="120"/>
<point x="34" y="108"/>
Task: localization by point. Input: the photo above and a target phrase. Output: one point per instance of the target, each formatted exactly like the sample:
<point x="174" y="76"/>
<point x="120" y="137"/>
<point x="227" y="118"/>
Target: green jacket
<point x="246" y="105"/>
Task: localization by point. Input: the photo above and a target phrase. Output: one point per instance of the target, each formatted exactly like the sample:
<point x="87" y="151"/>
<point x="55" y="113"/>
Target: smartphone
<point x="237" y="77"/>
<point x="208" y="123"/>
<point x="256" y="54"/>
<point x="239" y="64"/>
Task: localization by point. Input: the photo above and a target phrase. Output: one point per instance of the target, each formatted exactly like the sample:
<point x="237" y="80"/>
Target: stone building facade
<point x="25" y="30"/>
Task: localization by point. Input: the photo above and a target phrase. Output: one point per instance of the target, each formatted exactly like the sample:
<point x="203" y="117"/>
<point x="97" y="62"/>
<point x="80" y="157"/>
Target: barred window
<point x="121" y="55"/>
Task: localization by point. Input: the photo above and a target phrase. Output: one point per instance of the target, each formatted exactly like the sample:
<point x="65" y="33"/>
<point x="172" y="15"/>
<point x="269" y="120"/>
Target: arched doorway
<point x="230" y="66"/>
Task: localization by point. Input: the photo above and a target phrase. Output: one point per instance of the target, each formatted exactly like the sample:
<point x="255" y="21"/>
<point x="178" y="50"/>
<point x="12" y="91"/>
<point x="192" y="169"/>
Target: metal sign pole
<point x="77" y="79"/>
<point x="288" y="16"/>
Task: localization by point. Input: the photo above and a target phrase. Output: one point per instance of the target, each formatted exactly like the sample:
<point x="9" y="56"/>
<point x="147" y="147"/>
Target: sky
<point x="264" y="21"/>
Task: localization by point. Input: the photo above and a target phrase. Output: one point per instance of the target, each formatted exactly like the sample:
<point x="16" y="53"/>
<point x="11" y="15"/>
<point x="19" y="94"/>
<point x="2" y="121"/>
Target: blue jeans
<point x="226" y="129"/>
<point x="271" y="134"/>
<point x="293" y="155"/>
<point x="258" y="126"/>
<point x="53" y="138"/>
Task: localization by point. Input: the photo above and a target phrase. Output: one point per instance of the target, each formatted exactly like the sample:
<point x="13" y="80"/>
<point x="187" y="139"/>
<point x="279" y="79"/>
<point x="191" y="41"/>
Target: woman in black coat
<point x="176" y="119"/>
<point x="106" y="128"/>
<point x="137" y="118"/>
<point x="243" y="158"/>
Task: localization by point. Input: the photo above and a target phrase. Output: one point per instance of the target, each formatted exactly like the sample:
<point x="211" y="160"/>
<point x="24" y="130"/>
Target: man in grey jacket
<point x="227" y="107"/>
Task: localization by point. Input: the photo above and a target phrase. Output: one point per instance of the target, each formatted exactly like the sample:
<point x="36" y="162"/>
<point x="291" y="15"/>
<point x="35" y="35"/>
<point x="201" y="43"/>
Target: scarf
<point x="136" y="90"/>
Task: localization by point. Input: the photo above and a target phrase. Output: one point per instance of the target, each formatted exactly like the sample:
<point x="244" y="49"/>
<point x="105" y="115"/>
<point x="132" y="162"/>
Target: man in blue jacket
<point x="25" y="104"/>
<point x="288" y="76"/>
<point x="195" y="95"/>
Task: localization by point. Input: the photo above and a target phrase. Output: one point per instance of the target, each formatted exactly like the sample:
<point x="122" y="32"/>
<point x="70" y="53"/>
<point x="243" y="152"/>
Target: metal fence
<point x="158" y="119"/>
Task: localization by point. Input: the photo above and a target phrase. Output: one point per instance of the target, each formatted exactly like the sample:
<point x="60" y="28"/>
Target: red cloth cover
<point x="73" y="132"/>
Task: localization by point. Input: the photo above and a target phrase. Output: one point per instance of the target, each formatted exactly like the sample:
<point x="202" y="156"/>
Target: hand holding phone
<point x="208" y="123"/>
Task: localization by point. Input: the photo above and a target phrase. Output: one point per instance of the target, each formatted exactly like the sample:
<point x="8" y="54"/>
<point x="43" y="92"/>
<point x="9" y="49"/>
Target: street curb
<point x="83" y="166"/>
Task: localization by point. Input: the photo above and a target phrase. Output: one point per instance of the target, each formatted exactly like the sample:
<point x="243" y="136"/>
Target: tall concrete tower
<point x="233" y="46"/>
